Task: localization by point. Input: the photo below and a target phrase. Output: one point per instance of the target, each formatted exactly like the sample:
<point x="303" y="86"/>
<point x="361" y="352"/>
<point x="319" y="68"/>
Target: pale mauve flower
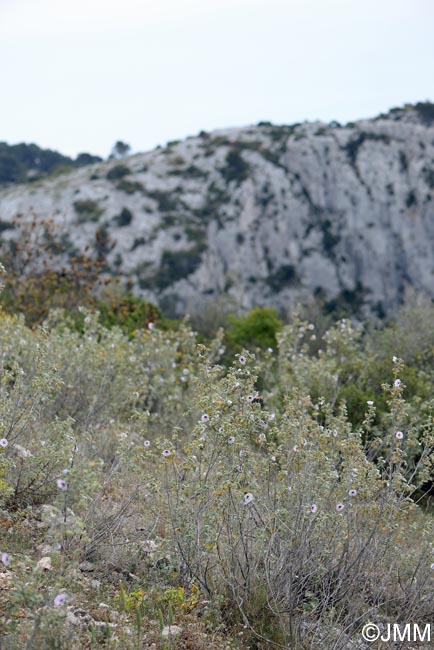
<point x="59" y="600"/>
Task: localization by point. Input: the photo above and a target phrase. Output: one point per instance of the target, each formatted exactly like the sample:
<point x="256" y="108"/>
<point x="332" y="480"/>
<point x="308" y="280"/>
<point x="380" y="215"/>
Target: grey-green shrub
<point x="291" y="520"/>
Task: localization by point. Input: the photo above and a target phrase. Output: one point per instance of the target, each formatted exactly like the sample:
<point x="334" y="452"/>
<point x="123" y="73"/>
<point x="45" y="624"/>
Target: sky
<point x="77" y="76"/>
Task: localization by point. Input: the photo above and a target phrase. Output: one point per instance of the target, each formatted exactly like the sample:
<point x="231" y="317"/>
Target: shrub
<point x="124" y="218"/>
<point x="189" y="172"/>
<point x="292" y="517"/>
<point x="44" y="271"/>
<point x="6" y="225"/>
<point x="174" y="266"/>
<point x="236" y="168"/>
<point x="215" y="198"/>
<point x="102" y="246"/>
<point x="138" y="241"/>
<point x="127" y="312"/>
<point x="410" y="199"/>
<point x="136" y="469"/>
<point x="117" y="172"/>
<point x="129" y="187"/>
<point x="284" y="276"/>
<point x="257" y="329"/>
<point x="165" y="201"/>
<point x="329" y="238"/>
<point x="425" y="110"/>
<point x="87" y="210"/>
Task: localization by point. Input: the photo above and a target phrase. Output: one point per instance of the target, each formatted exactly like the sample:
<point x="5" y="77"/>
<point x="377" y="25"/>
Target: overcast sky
<point x="78" y="75"/>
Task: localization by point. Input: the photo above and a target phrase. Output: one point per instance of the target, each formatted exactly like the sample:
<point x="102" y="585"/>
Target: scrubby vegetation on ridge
<point x="157" y="490"/>
<point x="26" y="162"/>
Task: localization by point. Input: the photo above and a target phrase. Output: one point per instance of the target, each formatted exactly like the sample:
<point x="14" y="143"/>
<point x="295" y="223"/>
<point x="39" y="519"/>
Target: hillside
<point x="255" y="486"/>
<point x="265" y="214"/>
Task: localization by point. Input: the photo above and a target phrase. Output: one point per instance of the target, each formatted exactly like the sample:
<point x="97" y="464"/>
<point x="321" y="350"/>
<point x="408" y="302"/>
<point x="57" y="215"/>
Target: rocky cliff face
<point x="268" y="214"/>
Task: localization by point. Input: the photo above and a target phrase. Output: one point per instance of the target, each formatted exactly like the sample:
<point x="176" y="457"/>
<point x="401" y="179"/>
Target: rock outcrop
<point x="266" y="214"/>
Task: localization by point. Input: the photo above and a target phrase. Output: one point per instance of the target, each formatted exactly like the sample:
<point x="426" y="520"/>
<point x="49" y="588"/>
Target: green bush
<point x="127" y="312"/>
<point x="236" y="168"/>
<point x="6" y="225"/>
<point x="166" y="203"/>
<point x="130" y="187"/>
<point x="174" y="266"/>
<point x="124" y="218"/>
<point x="117" y="172"/>
<point x="87" y="210"/>
<point x="425" y="110"/>
<point x="257" y="329"/>
<point x="215" y="198"/>
<point x="284" y="276"/>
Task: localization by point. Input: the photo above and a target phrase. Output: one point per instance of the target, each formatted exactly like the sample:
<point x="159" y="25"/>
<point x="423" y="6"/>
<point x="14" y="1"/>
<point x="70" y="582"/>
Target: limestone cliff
<point x="266" y="214"/>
